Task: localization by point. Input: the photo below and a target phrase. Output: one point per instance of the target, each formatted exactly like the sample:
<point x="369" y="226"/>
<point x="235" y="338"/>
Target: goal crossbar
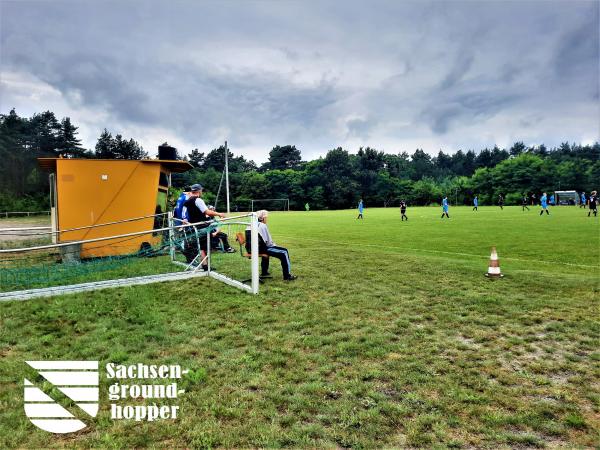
<point x="285" y="201"/>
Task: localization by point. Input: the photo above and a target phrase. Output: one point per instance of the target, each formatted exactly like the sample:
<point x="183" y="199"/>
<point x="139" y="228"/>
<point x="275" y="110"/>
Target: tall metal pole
<point x="227" y="176"/>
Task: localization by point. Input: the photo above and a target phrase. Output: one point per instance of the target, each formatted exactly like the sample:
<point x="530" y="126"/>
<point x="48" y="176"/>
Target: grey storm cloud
<point x="359" y="127"/>
<point x="314" y="74"/>
<point x="577" y="54"/>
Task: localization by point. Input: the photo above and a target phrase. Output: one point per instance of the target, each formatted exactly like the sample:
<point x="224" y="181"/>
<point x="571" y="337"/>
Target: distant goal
<point x="271" y="204"/>
<point x="567" y="198"/>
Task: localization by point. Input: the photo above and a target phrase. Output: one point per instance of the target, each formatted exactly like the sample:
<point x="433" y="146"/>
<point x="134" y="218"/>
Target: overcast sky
<point x="393" y="75"/>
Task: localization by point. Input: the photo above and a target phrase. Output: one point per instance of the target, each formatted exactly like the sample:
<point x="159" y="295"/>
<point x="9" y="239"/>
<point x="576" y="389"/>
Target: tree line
<point x="339" y="179"/>
<point x="334" y="181"/>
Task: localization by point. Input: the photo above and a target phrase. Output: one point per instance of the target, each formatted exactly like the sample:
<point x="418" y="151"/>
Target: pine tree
<point x="68" y="144"/>
<point x="105" y="147"/>
<point x="108" y="147"/>
<point x="43" y="135"/>
<point x="196" y="158"/>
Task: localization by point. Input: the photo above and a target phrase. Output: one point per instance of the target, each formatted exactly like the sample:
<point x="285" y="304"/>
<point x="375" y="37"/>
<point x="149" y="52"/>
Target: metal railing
<point x="39" y="230"/>
<point x="137" y="233"/>
<point x="7" y="214"/>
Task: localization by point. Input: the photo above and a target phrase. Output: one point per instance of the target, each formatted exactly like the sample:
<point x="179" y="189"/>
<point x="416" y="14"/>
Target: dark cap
<point x="195" y="187"/>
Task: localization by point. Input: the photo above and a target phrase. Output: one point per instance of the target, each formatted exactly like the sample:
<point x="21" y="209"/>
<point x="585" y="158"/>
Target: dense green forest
<point x="336" y="180"/>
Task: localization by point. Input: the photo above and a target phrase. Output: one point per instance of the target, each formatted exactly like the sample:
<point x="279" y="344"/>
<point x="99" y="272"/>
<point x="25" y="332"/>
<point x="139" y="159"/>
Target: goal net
<point x="39" y="268"/>
<point x="220" y="250"/>
<point x="271" y="204"/>
<point x="567" y="198"/>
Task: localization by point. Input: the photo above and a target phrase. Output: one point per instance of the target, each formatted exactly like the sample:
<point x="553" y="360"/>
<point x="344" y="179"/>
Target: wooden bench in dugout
<point x="241" y="239"/>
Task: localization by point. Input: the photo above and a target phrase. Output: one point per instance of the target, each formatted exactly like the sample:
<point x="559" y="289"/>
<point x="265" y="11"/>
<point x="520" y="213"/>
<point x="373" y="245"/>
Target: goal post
<point x="272" y="204"/>
<point x="226" y="257"/>
<point x="172" y="253"/>
<point x="238" y="268"/>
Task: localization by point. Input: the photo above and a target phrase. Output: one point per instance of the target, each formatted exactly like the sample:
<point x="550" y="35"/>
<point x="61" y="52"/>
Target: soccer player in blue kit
<point x="361" y="207"/>
<point x="544" y="203"/>
<point x="445" y="207"/>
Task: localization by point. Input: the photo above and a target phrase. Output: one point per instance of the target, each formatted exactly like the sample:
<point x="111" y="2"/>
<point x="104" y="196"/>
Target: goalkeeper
<point x="267" y="246"/>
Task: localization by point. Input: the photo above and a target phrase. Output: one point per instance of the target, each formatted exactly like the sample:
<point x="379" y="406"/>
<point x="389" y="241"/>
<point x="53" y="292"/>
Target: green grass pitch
<point x="391" y="337"/>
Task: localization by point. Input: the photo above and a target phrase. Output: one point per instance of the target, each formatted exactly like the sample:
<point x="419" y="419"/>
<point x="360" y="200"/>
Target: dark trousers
<point x="222" y="237"/>
<point x="525" y="207"/>
<point x="403" y="215"/>
<point x="190" y="249"/>
<point x="264" y="265"/>
<point x="282" y="255"/>
<point x="474" y="208"/>
<point x="195" y="240"/>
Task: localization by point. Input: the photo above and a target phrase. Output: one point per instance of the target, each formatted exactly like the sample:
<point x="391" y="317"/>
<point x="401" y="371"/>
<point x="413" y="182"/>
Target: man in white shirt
<point x="194" y="211"/>
<point x="267" y="246"/>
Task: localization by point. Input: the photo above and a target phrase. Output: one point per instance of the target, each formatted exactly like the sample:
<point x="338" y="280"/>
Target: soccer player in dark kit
<point x="593" y="204"/>
<point x="524" y="203"/>
<point x="403" y="210"/>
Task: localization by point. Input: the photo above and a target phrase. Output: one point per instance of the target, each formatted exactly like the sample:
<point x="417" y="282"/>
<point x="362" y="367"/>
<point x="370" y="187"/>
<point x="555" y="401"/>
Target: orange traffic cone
<point x="494" y="267"/>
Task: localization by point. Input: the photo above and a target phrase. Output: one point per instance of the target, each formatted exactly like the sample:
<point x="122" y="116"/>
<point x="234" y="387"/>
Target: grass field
<point x="391" y="336"/>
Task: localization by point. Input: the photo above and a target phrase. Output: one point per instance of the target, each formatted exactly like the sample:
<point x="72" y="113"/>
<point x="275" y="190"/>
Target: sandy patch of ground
<point x="19" y="235"/>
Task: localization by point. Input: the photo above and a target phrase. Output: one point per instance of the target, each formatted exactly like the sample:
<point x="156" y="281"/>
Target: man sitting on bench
<point x="268" y="247"/>
<point x="218" y="239"/>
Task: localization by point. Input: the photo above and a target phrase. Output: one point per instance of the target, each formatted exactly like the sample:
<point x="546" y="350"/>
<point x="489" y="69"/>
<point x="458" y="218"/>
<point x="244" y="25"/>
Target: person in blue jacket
<point x="552" y="202"/>
<point x="445" y="207"/>
<point x="544" y="203"/>
<point x="583" y="200"/>
<point x="178" y="210"/>
<point x="475" y="203"/>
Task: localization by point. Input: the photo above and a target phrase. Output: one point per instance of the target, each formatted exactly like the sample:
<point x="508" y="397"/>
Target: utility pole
<point x="227" y="176"/>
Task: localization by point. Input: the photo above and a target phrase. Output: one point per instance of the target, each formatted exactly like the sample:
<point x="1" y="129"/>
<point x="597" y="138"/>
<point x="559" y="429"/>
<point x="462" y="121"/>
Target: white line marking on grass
<point x="486" y="219"/>
<point x="354" y="244"/>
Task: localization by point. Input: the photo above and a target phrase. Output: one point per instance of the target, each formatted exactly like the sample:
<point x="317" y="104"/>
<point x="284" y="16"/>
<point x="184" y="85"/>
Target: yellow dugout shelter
<point x="86" y="192"/>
